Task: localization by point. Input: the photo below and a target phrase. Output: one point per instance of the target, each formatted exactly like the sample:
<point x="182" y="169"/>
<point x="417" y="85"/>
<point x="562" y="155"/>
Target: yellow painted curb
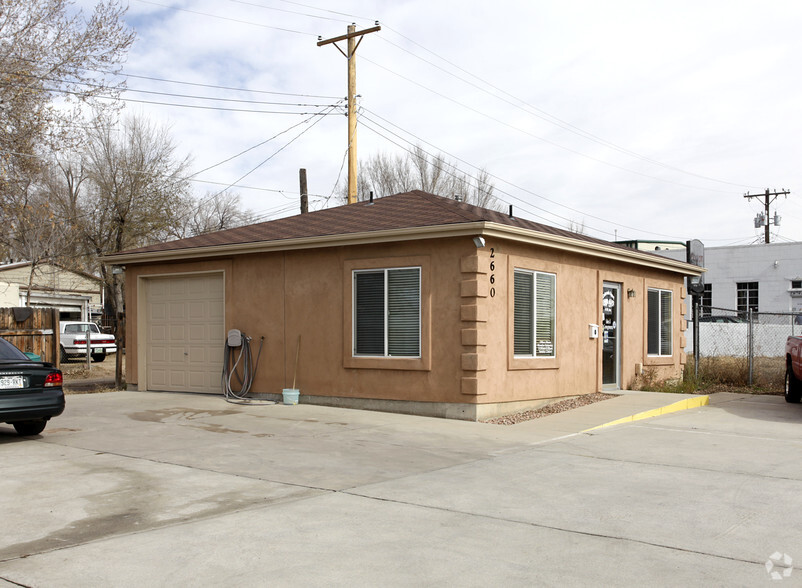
<point x="694" y="402"/>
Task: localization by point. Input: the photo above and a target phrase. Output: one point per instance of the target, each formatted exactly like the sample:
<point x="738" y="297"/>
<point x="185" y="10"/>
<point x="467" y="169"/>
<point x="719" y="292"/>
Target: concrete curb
<point x="686" y="404"/>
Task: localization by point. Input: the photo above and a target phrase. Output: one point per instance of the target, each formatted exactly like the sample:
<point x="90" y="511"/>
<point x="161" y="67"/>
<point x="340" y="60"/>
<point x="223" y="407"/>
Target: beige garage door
<point x="185" y="324"/>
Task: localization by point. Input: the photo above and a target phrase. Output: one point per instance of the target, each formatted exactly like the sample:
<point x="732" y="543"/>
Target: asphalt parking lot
<point x="143" y="489"/>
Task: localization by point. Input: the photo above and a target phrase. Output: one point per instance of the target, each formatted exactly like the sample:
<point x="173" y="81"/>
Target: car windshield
<point x="10" y="353"/>
<point x="81" y="328"/>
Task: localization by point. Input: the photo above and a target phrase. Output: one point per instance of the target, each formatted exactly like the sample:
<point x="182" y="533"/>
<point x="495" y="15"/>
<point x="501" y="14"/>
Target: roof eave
<point x="490" y="229"/>
<point x="599" y="250"/>
<point x="363" y="238"/>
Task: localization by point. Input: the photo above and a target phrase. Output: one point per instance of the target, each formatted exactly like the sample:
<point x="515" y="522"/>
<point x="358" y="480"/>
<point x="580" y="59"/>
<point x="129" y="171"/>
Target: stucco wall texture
<point x="466" y="337"/>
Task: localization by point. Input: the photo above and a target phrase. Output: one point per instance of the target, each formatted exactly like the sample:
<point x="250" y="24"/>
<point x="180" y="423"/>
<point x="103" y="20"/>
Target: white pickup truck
<point x="73" y="341"/>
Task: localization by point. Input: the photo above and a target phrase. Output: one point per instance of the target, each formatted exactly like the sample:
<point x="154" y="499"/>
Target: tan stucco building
<point x="411" y="303"/>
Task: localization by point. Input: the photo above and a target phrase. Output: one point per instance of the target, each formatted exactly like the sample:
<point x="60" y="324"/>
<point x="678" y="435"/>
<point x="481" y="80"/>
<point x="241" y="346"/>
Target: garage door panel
<point x="177" y="287"/>
<point x="199" y="379"/>
<point x="177" y="311"/>
<point x="158" y="289"/>
<point x="217" y="333"/>
<point x="158" y="379"/>
<point x="199" y="288"/>
<point x="198" y="310"/>
<point x="158" y="354"/>
<point x="178" y="333"/>
<point x="176" y="355"/>
<point x="198" y="333"/>
<point x="158" y="311"/>
<point x="185" y="333"/>
<point x="178" y="380"/>
<point x="158" y="333"/>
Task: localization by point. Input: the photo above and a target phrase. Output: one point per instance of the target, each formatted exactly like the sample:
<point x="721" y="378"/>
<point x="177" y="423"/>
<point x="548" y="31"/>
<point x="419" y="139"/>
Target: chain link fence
<point x="743" y="349"/>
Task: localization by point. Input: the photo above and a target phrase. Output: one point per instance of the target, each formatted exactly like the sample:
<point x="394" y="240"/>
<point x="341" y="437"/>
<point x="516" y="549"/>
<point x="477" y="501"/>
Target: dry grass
<point x="721" y="374"/>
<point x="98" y="378"/>
<point x="88" y="390"/>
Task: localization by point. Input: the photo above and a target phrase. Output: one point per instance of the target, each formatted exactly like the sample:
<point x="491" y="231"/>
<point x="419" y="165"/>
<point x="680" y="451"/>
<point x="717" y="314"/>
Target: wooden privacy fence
<point x="32" y="329"/>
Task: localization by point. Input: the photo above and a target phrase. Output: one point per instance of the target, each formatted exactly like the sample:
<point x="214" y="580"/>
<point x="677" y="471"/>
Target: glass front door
<point x="611" y="343"/>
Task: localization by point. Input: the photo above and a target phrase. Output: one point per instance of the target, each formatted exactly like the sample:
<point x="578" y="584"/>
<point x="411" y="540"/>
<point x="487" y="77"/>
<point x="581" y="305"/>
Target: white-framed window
<point x="659" y="322"/>
<point x="387" y="312"/>
<point x="535" y="313"/>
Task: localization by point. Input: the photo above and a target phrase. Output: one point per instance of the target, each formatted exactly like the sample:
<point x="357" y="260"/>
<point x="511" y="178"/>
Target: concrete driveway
<point x="142" y="489"/>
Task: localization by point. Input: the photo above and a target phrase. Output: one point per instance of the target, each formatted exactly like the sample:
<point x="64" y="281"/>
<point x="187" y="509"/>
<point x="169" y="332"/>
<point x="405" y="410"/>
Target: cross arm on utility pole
<point x="349" y="35"/>
<point x="767" y="195"/>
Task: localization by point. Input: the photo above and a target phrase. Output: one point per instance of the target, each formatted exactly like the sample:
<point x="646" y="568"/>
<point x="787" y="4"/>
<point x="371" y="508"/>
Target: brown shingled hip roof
<point x="407" y="210"/>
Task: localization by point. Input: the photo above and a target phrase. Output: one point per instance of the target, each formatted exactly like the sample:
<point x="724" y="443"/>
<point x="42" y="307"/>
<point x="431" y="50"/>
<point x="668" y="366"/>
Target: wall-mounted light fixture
<point x="631" y="293"/>
<point x="479" y="241"/>
<point x="117" y="269"/>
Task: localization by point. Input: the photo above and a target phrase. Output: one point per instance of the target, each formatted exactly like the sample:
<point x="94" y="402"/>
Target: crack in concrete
<point x="554" y="528"/>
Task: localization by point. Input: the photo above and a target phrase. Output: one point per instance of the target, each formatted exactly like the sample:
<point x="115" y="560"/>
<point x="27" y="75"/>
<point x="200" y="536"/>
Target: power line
<point x="539" y="138"/>
<point x="352" y="16"/>
<point x="218" y="87"/>
<point x="495" y="177"/>
<point x="249" y="148"/>
<point x="194" y="106"/>
<point x="101" y="96"/>
<point x="152" y="92"/>
<point x="452" y="174"/>
<point x="254" y="4"/>
<point x="231" y="185"/>
<point x="527" y="206"/>
<point x="542" y="114"/>
<point x="180" y="82"/>
<point x="191" y="178"/>
<point x="218" y="99"/>
<point x="255" y="24"/>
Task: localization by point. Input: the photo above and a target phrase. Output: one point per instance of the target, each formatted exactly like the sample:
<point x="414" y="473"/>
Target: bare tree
<point x="577" y="227"/>
<point x="34" y="233"/>
<point x="52" y="61"/>
<point x="212" y="212"/>
<point x="385" y="174"/>
<point x="126" y="191"/>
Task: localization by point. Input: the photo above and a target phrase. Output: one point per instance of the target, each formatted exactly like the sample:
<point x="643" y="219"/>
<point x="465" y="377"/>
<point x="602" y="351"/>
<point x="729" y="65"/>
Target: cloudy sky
<point x="638" y="120"/>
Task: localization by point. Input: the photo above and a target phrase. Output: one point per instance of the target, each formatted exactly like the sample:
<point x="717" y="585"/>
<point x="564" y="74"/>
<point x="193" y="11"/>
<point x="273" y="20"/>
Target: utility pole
<point x="304" y="193"/>
<point x="765" y="221"/>
<point x="350" y="55"/>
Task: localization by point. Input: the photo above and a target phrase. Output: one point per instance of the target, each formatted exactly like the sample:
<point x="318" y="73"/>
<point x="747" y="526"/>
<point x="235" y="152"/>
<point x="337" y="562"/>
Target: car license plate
<point x="7" y="382"/>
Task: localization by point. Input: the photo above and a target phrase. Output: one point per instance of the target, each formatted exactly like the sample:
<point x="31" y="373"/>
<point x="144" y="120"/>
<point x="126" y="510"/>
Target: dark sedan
<point x="30" y="391"/>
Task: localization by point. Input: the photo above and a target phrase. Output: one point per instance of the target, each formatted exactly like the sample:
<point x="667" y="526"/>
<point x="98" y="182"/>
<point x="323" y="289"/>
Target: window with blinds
<point x="387" y="312"/>
<point x="534" y="314"/>
<point x="659" y="322"/>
